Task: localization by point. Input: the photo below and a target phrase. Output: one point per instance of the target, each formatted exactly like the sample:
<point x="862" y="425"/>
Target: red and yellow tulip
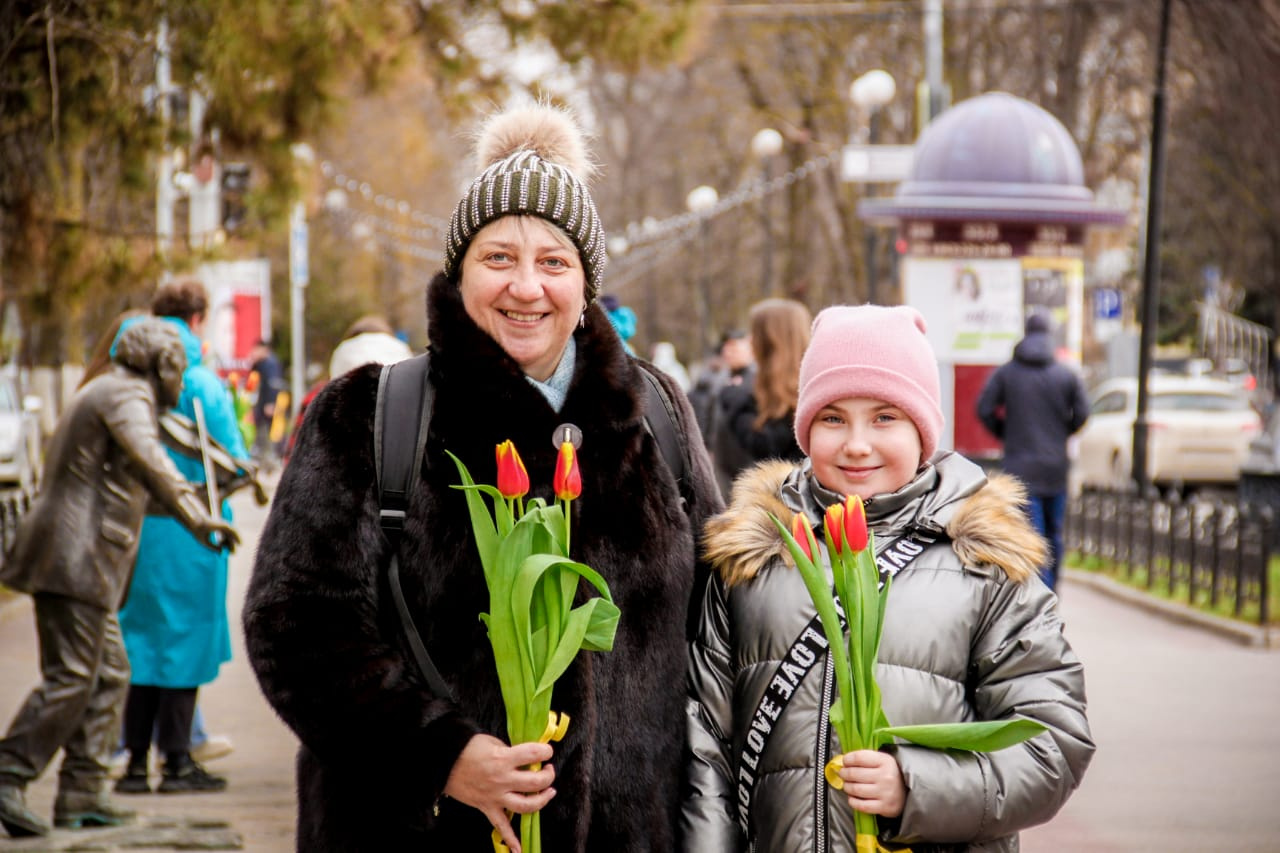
<point x="513" y="479"/>
<point x="567" y="482"/>
<point x="834" y="524"/>
<point x="855" y="524"/>
<point x="803" y="534"/>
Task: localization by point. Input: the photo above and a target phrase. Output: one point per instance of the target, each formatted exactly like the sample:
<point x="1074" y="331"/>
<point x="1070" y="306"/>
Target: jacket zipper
<point x="823" y="756"/>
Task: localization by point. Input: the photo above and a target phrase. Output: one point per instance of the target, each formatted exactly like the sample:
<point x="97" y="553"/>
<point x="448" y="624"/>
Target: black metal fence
<point x="1202" y="551"/>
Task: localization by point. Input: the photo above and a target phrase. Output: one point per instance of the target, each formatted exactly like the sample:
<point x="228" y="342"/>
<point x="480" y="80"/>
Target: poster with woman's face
<point x="973" y="307"/>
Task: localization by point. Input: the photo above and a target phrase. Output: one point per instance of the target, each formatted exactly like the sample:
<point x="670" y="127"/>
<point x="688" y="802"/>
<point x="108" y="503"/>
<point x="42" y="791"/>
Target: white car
<point x="1199" y="432"/>
<point x="20" y="441"/>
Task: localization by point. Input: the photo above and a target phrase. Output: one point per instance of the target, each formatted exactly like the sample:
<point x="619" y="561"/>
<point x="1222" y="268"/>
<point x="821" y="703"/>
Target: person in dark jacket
<point x="270" y="384"/>
<point x="519" y="346"/>
<point x="730" y="364"/>
<point x="755" y="419"/>
<point x="1033" y="404"/>
<point x="74" y="553"/>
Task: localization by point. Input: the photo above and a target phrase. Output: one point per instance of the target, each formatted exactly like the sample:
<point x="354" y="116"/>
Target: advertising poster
<point x="1055" y="287"/>
<point x="239" y="310"/>
<point x="973" y="307"/>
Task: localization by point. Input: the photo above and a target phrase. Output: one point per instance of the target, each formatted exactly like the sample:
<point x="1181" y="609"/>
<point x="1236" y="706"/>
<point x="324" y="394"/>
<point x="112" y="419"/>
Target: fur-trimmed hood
<point x="985" y="522"/>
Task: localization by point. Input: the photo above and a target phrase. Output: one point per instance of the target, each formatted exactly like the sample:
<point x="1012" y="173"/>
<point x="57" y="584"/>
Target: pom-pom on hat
<point x="533" y="162"/>
<point x="871" y="351"/>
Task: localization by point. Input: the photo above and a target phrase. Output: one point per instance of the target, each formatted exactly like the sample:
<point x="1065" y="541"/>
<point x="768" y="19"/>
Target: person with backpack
<point x="388" y="677"/>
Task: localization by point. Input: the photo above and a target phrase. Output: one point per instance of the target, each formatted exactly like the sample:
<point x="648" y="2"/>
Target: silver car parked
<point x="1199" y="432"/>
<point x="20" y="439"/>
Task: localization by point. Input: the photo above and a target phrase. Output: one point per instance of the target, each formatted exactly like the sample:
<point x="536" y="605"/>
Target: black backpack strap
<point x="404" y="390"/>
<point x="660" y="419"/>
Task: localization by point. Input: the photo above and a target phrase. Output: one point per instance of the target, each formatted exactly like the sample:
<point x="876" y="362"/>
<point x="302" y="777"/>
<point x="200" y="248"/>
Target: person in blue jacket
<point x="174" y="621"/>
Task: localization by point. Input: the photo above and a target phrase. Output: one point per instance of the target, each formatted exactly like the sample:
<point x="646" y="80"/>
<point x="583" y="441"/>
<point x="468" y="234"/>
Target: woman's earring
<point x="582" y="320"/>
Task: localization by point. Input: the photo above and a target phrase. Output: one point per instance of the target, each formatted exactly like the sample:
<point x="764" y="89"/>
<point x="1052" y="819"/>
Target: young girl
<point x="970" y="632"/>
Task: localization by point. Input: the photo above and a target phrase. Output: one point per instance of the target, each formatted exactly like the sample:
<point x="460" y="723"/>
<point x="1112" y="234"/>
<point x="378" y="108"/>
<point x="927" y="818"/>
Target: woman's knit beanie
<point x="871" y="351"/>
<point x="534" y="162"/>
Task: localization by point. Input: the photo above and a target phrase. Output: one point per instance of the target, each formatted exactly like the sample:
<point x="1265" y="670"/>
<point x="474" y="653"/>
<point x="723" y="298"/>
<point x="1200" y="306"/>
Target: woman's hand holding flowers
<point x="495" y="778"/>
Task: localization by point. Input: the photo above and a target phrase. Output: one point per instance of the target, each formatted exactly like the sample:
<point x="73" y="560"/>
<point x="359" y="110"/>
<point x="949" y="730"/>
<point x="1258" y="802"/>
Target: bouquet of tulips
<point x="857" y="715"/>
<point x="533" y="626"/>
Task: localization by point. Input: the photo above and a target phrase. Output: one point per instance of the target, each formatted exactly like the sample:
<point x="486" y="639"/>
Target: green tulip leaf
<point x="571" y="641"/>
<point x="984" y="736"/>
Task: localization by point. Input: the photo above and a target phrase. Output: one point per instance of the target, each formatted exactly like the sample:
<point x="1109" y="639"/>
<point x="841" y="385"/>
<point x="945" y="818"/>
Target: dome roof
<point x="994" y="157"/>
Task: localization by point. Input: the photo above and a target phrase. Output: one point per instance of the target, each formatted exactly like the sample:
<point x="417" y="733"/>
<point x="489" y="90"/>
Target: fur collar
<point x="987" y="528"/>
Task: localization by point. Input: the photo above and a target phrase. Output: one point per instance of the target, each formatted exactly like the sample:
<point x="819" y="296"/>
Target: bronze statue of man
<point x="74" y="553"/>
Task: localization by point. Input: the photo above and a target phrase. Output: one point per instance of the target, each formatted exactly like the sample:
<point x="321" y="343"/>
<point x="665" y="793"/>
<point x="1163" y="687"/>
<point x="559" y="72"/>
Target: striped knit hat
<point x="534" y="163"/>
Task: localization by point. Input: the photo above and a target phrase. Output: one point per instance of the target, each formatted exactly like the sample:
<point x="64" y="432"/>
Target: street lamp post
<point x="766" y="145"/>
<point x="700" y="202"/>
<point x="299" y="278"/>
<point x="870" y="93"/>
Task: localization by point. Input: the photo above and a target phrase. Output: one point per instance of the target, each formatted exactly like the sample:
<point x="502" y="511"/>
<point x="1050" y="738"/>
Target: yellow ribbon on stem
<point x="557" y="725"/>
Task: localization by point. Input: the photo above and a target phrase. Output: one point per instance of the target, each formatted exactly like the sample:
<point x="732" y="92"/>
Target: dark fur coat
<point x="325" y="642"/>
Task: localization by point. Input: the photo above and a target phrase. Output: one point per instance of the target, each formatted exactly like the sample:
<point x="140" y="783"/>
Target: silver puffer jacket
<point x="970" y="634"/>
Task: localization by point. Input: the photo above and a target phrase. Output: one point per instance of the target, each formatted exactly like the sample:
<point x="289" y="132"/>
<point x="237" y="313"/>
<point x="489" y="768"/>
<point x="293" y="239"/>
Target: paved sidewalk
<point x="1187" y="723"/>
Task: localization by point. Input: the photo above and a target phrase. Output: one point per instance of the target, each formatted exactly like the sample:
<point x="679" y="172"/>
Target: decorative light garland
<point x="638" y="234"/>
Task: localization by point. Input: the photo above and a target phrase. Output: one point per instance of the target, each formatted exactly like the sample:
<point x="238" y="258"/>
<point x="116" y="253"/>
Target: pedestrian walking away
<point x="970" y="633"/>
<point x="521" y="351"/>
<point x="74" y="554"/>
<point x="270" y="385"/>
<point x="1033" y="404"/>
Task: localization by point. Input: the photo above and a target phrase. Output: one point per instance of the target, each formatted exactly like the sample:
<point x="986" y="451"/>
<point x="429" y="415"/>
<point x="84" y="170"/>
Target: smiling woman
<point x="523" y="284"/>
<point x="519" y="350"/>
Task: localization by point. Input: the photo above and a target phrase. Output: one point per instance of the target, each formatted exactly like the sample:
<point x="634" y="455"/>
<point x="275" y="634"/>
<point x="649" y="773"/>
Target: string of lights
<point x="635" y="234"/>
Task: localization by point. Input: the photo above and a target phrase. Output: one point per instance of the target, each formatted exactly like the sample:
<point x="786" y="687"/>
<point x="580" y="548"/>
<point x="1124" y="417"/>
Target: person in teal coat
<point x="174" y="621"/>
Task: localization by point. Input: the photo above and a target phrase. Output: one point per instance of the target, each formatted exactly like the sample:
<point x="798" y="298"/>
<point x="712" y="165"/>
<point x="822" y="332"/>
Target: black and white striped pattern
<point x="524" y="183"/>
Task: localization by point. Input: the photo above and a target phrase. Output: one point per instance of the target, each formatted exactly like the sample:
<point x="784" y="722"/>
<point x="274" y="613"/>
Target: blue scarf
<point x="556" y="388"/>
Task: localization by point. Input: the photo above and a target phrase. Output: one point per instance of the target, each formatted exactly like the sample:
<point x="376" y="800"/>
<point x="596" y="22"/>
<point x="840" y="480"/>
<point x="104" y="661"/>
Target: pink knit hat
<point x="871" y="351"/>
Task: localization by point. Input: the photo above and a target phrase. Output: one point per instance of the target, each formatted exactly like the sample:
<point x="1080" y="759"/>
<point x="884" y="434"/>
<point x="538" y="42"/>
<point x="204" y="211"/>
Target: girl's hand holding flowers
<point x="873" y="782"/>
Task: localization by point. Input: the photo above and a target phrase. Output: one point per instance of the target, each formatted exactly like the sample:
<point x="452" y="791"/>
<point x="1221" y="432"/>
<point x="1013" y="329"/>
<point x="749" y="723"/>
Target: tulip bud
<point x="513" y="479"/>
<point x="855" y="524"/>
<point x="835" y="526"/>
<point x="568" y="479"/>
<point x="801" y="531"/>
